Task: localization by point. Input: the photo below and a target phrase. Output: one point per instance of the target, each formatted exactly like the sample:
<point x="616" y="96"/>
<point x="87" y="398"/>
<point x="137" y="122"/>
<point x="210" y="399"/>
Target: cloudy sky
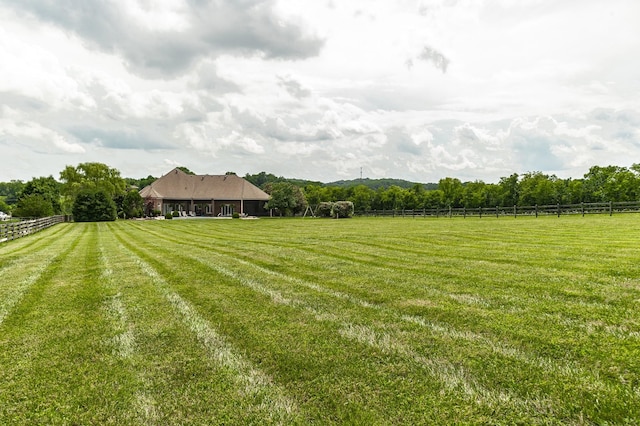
<point x="320" y="89"/>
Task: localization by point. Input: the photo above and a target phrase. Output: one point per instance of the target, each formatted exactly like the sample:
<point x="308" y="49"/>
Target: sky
<point x="320" y="89"/>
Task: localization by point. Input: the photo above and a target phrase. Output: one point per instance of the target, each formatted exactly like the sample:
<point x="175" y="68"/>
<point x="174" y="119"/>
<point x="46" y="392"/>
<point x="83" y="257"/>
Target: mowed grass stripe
<point x="16" y="252"/>
<point x="53" y="366"/>
<point x="177" y="379"/>
<point x="204" y="256"/>
<point x="329" y="364"/>
<point x="451" y="377"/>
<point x="258" y="392"/>
<point x="346" y="339"/>
<point x="17" y="278"/>
<point x="428" y="288"/>
<point x="34" y="242"/>
<point x="538" y="358"/>
<point x="429" y="268"/>
<point x="439" y="368"/>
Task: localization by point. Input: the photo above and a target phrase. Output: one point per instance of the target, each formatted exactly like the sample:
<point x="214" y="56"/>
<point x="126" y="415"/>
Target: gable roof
<point x="178" y="185"/>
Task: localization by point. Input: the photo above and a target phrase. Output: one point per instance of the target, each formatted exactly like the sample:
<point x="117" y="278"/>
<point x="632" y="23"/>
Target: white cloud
<point x="319" y="89"/>
<point x="40" y="138"/>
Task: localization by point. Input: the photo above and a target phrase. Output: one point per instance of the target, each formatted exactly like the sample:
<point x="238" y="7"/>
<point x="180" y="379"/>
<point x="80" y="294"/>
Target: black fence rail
<point x="21" y="228"/>
<point x="583" y="209"/>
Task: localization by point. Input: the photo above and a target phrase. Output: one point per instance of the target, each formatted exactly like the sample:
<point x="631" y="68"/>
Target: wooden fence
<point x="21" y="228"/>
<point x="548" y="210"/>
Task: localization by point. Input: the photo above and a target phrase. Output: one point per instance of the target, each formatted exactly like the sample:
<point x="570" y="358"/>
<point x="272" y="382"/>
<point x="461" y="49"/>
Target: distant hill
<point x="380" y="183"/>
<point x="261" y="178"/>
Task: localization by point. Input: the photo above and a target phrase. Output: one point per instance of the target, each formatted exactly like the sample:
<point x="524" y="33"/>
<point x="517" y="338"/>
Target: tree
<point x="537" y="188"/>
<point x="4" y="207"/>
<point x="48" y="190"/>
<point x="434" y="199"/>
<point x="313" y="194"/>
<point x="11" y="190"/>
<point x="474" y="194"/>
<point x="93" y="206"/>
<point x="132" y="204"/>
<point x="33" y="205"/>
<point x="362" y="197"/>
<point x="452" y="191"/>
<point x="140" y="183"/>
<point x="392" y="198"/>
<point x="510" y="190"/>
<point x="261" y="179"/>
<point x="286" y="198"/>
<point x="90" y="176"/>
<point x="95" y="176"/>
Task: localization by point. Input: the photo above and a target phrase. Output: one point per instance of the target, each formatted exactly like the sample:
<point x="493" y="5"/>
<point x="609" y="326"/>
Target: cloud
<point x="436" y="58"/>
<point x="159" y="40"/>
<point x="41" y="138"/>
<point x="293" y="87"/>
<point x="403" y="141"/>
<point x="207" y="79"/>
<point x="316" y="90"/>
<point x="119" y="138"/>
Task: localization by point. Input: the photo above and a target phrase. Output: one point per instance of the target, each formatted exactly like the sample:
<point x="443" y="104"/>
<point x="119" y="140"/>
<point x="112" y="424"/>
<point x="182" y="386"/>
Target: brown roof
<point x="177" y="185"/>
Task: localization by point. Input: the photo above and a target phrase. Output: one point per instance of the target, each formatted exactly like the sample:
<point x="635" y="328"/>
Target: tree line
<point x="45" y="196"/>
<point x="600" y="184"/>
<point x="89" y="192"/>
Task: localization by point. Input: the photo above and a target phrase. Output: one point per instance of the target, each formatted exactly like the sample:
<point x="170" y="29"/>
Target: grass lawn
<point x="312" y="321"/>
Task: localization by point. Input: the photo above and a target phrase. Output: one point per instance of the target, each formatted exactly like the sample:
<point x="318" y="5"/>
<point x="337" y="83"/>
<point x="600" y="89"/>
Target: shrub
<point x="235" y="215"/>
<point x="156" y="213"/>
<point x="337" y="209"/>
<point x="342" y="209"/>
<point x="33" y="205"/>
<point x="176" y="214"/>
<point x="324" y="209"/>
<point x="168" y="216"/>
<point x="94" y="206"/>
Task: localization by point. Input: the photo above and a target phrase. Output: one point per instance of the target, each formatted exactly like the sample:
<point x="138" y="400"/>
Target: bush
<point x="33" y="205"/>
<point x="168" y="216"/>
<point x="342" y="209"/>
<point x="176" y="214"/>
<point x="94" y="206"/>
<point x="337" y="209"/>
<point x="156" y="213"/>
<point x="235" y="215"/>
<point x="324" y="209"/>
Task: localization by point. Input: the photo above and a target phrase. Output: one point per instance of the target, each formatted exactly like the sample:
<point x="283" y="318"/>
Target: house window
<point x="226" y="210"/>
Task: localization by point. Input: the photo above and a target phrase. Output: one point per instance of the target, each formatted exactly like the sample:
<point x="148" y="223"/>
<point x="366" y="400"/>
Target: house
<point x="204" y="195"/>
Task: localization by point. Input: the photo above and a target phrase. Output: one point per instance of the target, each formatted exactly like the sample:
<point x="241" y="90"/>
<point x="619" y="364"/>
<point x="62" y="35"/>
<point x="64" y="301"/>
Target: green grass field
<point x="310" y="321"/>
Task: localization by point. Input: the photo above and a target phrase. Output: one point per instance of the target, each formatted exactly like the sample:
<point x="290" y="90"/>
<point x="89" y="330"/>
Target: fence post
<point x="515" y="211"/>
<point x="480" y="212"/>
<point x="610" y="208"/>
<point x="464" y="212"/>
<point x="558" y="209"/>
<point x="450" y="213"/>
<point x="582" y="208"/>
<point x="497" y="212"/>
<point x="536" y="210"/>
